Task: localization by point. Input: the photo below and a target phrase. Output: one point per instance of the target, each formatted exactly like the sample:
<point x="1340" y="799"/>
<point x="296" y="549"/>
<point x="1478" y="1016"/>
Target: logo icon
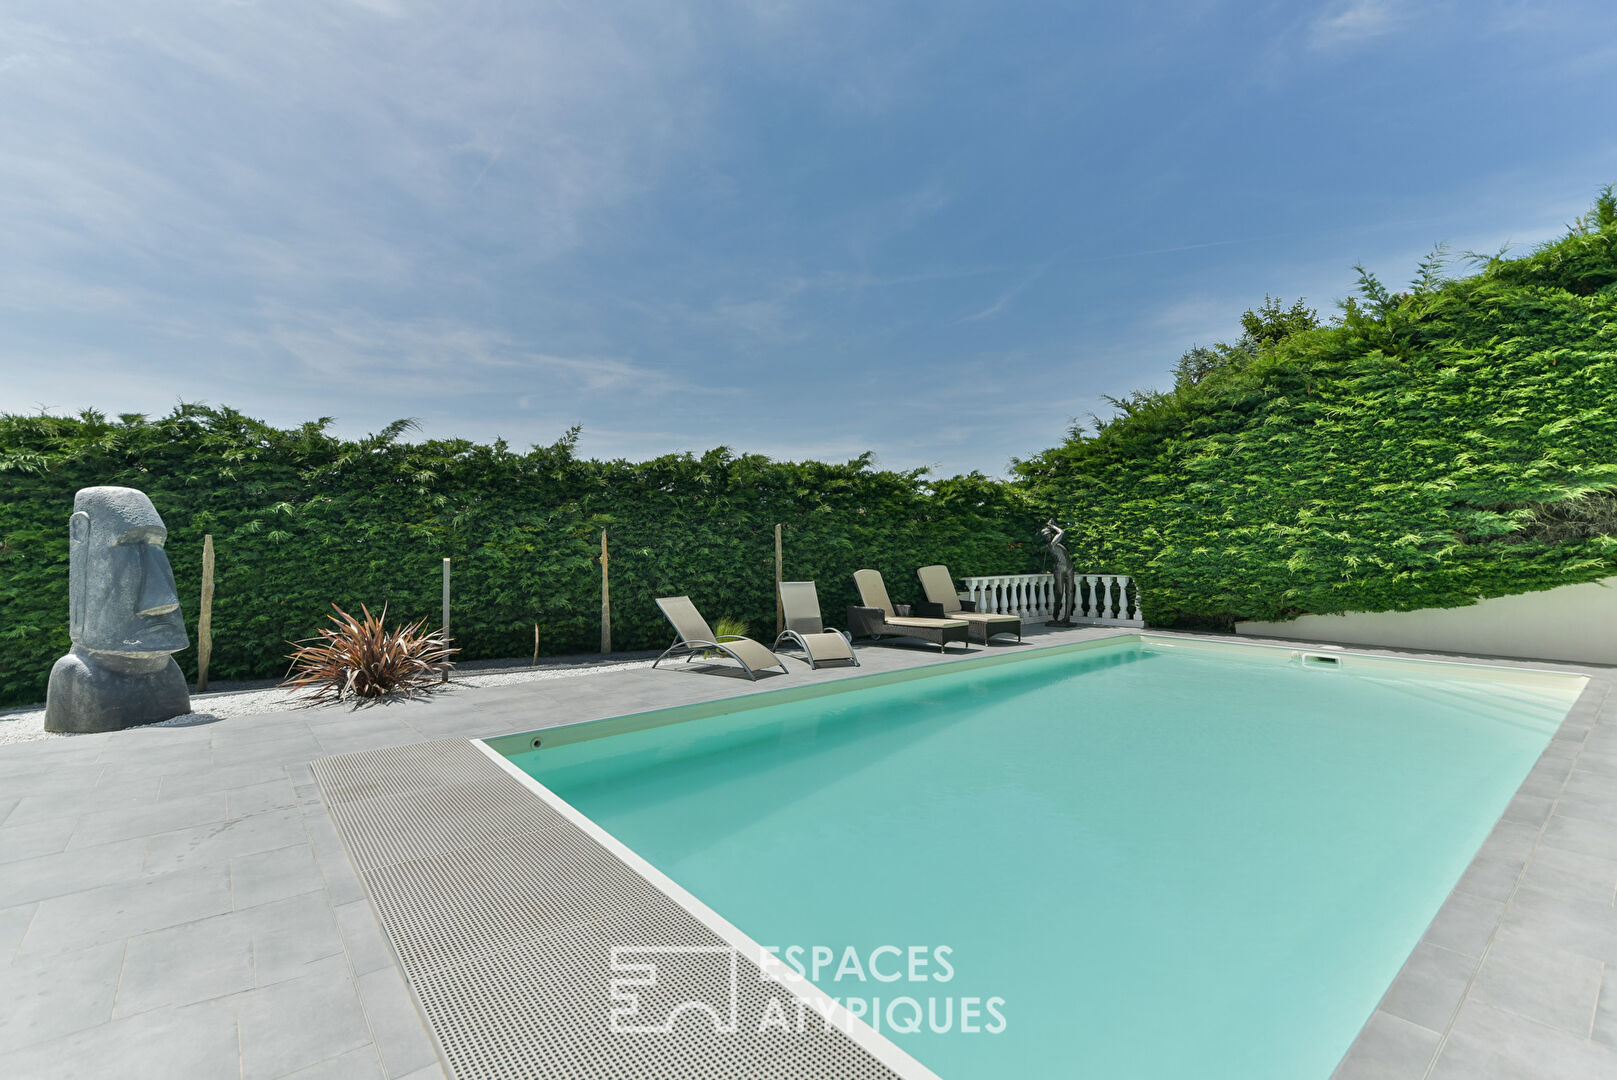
<point x="653" y="985"/>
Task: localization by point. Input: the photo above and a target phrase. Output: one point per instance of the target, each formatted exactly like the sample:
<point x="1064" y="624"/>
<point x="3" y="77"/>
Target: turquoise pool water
<point x="1166" y="862"/>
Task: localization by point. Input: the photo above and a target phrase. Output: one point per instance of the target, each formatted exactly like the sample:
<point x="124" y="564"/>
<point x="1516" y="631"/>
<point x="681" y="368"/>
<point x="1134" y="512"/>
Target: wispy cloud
<point x="1358" y="21"/>
<point x="437" y="358"/>
<point x="1005" y="298"/>
<point x="506" y="217"/>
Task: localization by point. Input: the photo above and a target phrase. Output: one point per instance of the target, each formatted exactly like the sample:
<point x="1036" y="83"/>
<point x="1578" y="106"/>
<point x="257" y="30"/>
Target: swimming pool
<point x="1163" y="858"/>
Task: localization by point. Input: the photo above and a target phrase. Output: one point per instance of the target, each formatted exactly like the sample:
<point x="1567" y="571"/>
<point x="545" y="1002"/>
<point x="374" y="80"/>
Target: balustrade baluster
<point x="1110" y="598"/>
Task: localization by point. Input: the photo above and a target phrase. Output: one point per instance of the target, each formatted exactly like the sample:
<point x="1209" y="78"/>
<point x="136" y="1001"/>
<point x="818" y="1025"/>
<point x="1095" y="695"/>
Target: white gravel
<point x="25" y="725"/>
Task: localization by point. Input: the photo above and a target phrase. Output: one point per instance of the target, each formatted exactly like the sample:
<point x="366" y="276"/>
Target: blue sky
<point x="938" y="231"/>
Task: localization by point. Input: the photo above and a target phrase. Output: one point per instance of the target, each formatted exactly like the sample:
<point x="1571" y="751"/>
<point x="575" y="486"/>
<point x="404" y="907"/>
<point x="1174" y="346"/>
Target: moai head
<point x="120" y="586"/>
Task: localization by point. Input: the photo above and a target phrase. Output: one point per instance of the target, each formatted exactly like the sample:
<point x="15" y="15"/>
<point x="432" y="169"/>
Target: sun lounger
<point x="800" y="605"/>
<point x="878" y="616"/>
<point x="695" y="637"/>
<point x="944" y="603"/>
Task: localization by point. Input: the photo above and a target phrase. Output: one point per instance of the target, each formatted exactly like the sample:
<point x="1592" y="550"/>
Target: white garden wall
<point x="1573" y="622"/>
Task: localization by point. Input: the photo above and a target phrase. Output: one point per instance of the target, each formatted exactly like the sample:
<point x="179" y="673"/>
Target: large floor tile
<point x="1428" y="990"/>
<point x="1587" y="877"/>
<point x="30" y="839"/>
<point x="1553" y="987"/>
<point x="183" y="965"/>
<point x="274" y="875"/>
<point x="301" y="1022"/>
<point x="114" y="912"/>
<point x="45" y="1000"/>
<point x="199" y="1041"/>
<point x="1465" y="923"/>
<point x="217" y="843"/>
<point x="105" y="826"/>
<point x="71" y="871"/>
<point x="290" y="935"/>
<point x="1389" y="1049"/>
<point x="66" y="800"/>
<point x="1493" y="1044"/>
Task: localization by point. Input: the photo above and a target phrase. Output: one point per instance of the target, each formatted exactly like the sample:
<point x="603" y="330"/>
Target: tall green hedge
<point x="1454" y="441"/>
<point x="1439" y="445"/>
<point x="302" y="519"/>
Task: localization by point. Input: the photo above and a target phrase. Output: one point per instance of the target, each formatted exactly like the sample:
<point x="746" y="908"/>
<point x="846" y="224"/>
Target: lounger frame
<point x="680" y="609"/>
<point x="694" y="648"/>
<point x="794" y="637"/>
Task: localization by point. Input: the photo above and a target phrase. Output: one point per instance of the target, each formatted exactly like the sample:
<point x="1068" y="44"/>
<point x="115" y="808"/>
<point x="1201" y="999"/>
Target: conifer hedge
<point x="1451" y="442"/>
<point x="302" y="519"/>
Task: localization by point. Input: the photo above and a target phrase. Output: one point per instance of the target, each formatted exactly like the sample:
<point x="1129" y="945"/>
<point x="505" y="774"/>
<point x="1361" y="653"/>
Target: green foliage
<point x="1262" y="329"/>
<point x="1583" y="263"/>
<point x="1200" y="361"/>
<point x="1455" y="441"/>
<point x="1271" y="324"/>
<point x="302" y="519"/>
<point x="728" y="626"/>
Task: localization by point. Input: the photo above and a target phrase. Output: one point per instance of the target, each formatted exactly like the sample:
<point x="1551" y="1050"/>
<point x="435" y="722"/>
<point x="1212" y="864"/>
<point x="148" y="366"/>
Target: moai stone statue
<point x="123" y="616"/>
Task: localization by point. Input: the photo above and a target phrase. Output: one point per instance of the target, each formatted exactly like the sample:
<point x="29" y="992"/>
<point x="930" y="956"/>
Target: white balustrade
<point x="1107" y="599"/>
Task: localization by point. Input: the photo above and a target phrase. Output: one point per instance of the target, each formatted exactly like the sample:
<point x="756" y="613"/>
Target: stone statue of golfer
<point x="123" y="616"/>
<point x="1061" y="562"/>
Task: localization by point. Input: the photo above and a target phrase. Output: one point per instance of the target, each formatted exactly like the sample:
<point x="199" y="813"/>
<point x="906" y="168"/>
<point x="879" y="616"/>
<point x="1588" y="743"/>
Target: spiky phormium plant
<point x="362" y="658"/>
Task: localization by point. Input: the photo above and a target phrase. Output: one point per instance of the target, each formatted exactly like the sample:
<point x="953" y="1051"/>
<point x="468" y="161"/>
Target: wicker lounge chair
<point x="943" y="602"/>
<point x="879" y="616"/>
<point x="696" y="637"/>
<point x="800" y="604"/>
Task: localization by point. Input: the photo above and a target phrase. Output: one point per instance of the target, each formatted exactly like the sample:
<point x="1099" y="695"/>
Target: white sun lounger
<point x="695" y="637"/>
<point x="800" y="605"/>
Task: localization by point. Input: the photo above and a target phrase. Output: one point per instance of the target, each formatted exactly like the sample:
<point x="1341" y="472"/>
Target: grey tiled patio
<point x="176" y="902"/>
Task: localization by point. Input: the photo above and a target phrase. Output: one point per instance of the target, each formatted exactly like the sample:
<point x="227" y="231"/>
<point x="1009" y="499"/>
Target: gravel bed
<point x="25" y="725"/>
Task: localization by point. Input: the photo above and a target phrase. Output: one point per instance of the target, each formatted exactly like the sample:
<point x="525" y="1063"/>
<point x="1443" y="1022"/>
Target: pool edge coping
<point x="873" y="1042"/>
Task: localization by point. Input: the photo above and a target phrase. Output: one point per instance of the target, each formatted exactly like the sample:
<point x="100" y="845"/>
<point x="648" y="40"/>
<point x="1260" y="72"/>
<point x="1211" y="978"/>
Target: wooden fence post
<point x="780" y="615"/>
<point x="447" y="599"/>
<point x="205" y="618"/>
<point x="446" y="611"/>
<point x="606" y="600"/>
